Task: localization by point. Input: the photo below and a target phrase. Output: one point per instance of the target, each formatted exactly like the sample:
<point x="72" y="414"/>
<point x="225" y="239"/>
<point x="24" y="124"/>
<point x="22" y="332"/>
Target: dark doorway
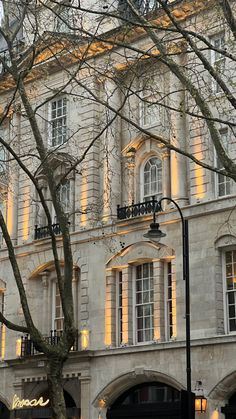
<point x="147" y="401"/>
<point x="230" y="409"/>
<point x="4" y="412"/>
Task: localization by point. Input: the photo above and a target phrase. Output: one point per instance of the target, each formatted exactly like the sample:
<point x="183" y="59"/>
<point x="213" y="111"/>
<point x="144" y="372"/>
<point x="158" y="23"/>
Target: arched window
<point x="152" y="179"/>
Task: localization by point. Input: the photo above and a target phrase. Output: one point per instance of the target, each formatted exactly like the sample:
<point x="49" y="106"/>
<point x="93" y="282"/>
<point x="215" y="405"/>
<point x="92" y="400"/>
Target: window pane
<point x="144" y="303"/>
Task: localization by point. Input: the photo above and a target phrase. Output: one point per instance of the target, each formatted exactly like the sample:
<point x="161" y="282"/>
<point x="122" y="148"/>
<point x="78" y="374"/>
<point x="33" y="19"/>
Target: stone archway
<point x="113" y="390"/>
<point x="146" y="401"/>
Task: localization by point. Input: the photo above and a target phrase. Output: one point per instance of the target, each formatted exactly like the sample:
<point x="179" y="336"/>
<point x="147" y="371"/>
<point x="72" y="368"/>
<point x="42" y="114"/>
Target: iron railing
<point x="136" y="210"/>
<point x="43" y="232"/>
<point x="28" y="348"/>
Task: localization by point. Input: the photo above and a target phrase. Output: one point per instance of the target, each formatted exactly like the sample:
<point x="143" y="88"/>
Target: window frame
<point x="158" y="193"/>
<point x="54" y="319"/>
<point x="135" y="305"/>
<point x="64" y="134"/>
<point x="225" y="299"/>
<point x="227" y="180"/>
<point x="66" y="183"/>
<point x="2" y="328"/>
<point x="168" y="335"/>
<point x="59" y="24"/>
<point x="3" y="164"/>
<point x="146" y="96"/>
<point x="119" y="308"/>
<point x="216" y="63"/>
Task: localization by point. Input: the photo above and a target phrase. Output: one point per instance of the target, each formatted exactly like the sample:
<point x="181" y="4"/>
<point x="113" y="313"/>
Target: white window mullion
<point x="230" y="282"/>
<point x="144" y="303"/>
<point x="152" y="179"/>
<point x="223" y="183"/>
<point x="58" y="121"/>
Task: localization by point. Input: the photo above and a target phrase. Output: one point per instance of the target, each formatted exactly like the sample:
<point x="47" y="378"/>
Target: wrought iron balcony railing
<point x="42" y="232"/>
<point x="136" y="210"/>
<point x="28" y="348"/>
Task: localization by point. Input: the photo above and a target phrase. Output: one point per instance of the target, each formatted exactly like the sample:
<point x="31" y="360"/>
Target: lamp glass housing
<point x="200" y="404"/>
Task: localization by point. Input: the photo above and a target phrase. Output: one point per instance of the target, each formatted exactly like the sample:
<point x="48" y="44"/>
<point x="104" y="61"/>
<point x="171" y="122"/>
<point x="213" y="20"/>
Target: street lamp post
<point x="154" y="234"/>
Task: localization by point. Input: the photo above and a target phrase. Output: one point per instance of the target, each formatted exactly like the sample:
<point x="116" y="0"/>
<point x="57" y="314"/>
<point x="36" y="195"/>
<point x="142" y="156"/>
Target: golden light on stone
<point x="84" y="339"/>
<point x="3" y="342"/>
<point x="18" y="347"/>
<point x="101" y="403"/>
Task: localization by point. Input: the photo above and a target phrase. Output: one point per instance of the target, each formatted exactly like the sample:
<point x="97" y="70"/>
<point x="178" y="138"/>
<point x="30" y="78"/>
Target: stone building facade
<point x="128" y="291"/>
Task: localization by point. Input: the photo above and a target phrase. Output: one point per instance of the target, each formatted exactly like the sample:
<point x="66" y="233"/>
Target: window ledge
<point x="154" y="346"/>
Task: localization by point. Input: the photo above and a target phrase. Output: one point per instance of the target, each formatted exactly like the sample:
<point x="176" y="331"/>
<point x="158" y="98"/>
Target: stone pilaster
<point x="111" y="155"/>
<point x="110" y="308"/>
<point x="127" y="305"/>
<point x="85" y="396"/>
<point x="178" y="138"/>
<point x="159" y="309"/>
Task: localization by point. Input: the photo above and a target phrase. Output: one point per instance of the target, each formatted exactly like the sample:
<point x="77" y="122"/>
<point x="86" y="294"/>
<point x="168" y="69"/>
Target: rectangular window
<point x="144" y="310"/>
<point x="170" y="302"/>
<point x="58" y="315"/>
<point x="2" y="159"/>
<point x="223" y="182"/>
<point x="2" y="328"/>
<point x="64" y="20"/>
<point x="217" y="59"/>
<point x="64" y="195"/>
<point x="58" y="121"/>
<point x="230" y="279"/>
<point x="119" y="311"/>
<point x="149" y="108"/>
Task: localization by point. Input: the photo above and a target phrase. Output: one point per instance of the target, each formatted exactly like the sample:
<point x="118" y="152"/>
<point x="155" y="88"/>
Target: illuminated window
<point x="230" y="280"/>
<point x="217" y="59"/>
<point x="58" y="121"/>
<point x="152" y="179"/>
<point x="223" y="182"/>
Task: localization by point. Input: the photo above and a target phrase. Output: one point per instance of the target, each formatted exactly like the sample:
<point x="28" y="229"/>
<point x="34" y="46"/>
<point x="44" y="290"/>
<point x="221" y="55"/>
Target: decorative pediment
<point x="60" y="162"/>
<point x="140" y="252"/>
<point x="225" y="240"/>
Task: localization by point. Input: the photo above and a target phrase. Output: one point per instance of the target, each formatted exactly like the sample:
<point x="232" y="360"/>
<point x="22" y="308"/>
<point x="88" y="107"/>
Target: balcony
<point x="136" y="210"/>
<point x="43" y="232"/>
<point x="28" y="349"/>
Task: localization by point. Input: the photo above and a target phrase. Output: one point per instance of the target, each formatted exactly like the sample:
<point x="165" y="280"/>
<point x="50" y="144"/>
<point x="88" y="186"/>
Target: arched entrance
<point x="146" y="401"/>
<point x="230" y="409"/>
<point x="4" y="412"/>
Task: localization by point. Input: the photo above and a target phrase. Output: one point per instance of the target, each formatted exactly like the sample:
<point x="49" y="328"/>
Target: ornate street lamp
<point x="156" y="234"/>
<point x="200" y="399"/>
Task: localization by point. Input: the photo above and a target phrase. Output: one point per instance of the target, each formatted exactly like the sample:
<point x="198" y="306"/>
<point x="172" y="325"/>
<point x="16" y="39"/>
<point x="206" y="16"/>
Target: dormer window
<point x="143" y="6"/>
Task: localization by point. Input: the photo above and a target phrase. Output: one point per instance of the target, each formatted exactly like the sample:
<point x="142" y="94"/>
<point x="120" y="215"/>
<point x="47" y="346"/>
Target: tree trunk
<point x="55" y="387"/>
